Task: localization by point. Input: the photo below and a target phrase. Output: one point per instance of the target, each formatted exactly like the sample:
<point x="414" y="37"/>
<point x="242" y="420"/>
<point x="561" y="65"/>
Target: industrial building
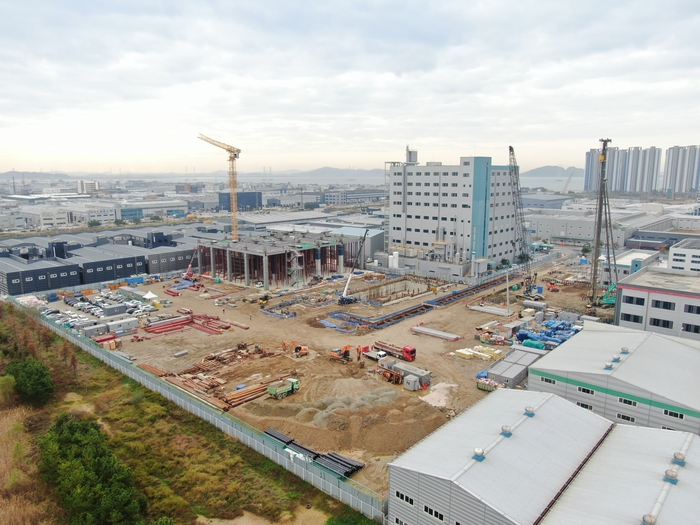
<point x="660" y="300"/>
<point x="685" y="255"/>
<point x="520" y="457"/>
<point x="626" y="376"/>
<point x="544" y="200"/>
<point x="247" y="200"/>
<point x="18" y="276"/>
<point x="455" y="212"/>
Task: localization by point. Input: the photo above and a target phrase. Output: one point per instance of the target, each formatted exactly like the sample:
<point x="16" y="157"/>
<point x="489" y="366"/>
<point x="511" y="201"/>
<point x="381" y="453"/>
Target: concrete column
<point x="246" y="268"/>
<point x="213" y="262"/>
<point x="266" y="273"/>
<point x="199" y="260"/>
<point x="317" y="257"/>
<point x="229" y="265"/>
<point x="341" y="259"/>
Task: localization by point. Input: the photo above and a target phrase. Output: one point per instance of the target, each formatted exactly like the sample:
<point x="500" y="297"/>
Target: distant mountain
<point x="33" y="175"/>
<point x="554" y="172"/>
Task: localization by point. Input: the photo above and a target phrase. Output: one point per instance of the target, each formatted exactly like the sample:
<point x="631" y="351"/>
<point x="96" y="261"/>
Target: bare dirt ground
<point x="340" y="407"/>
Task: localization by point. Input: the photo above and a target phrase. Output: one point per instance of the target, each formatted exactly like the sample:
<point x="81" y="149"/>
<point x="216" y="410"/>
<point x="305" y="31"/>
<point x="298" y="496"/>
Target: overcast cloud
<point x="89" y="85"/>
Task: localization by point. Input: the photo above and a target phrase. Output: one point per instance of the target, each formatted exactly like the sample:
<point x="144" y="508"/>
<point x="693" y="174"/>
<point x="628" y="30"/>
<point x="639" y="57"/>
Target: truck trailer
<point x="282" y="389"/>
<point x="407" y="353"/>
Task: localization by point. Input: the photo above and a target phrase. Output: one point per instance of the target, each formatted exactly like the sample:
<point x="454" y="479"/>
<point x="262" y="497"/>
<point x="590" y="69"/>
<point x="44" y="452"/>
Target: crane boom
<point x="344" y="299"/>
<point x="233" y="154"/>
<point x="568" y="181"/>
<point x="521" y="242"/>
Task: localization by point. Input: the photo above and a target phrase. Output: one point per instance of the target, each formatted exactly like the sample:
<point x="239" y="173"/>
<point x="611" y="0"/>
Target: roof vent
<point x="506" y="431"/>
<point x="529" y="411"/>
<point x="608" y="366"/>
<point x="649" y="519"/>
<point x="616" y="359"/>
<point x="479" y="454"/>
<point x="625" y="350"/>
<point x="671" y="476"/>
<point x="679" y="459"/>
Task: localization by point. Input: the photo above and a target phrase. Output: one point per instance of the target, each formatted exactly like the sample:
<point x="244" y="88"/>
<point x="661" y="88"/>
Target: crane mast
<point x="233" y="154"/>
<point x="521" y="242"/>
<point x="603" y="218"/>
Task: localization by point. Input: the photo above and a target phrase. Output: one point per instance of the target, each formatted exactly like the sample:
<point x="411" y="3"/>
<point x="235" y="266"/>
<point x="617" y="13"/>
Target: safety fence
<point x="355" y="495"/>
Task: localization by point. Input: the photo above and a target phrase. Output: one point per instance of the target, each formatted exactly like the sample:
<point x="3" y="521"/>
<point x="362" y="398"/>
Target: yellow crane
<point x="233" y="154"/>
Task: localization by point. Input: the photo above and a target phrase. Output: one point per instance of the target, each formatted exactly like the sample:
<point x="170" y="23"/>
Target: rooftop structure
<point x="626" y="375"/>
<point x="531" y="457"/>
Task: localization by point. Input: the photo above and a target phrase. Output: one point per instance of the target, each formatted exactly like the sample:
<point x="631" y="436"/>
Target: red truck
<point x="407" y="353"/>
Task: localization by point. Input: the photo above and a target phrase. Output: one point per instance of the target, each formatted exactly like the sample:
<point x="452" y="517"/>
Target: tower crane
<point x="233" y="154"/>
<point x="521" y="242"/>
<point x="568" y="181"/>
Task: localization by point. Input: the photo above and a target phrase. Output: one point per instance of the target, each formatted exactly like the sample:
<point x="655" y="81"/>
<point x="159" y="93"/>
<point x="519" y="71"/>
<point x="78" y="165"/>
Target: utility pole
<point x="599" y="219"/>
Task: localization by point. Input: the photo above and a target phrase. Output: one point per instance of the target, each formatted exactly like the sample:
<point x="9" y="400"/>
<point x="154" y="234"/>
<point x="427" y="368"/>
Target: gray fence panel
<point x="348" y="491"/>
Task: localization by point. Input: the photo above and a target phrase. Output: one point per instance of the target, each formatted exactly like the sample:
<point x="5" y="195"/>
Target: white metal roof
<point x="522" y="473"/>
<point x="664" y="366"/>
<point x="623" y="479"/>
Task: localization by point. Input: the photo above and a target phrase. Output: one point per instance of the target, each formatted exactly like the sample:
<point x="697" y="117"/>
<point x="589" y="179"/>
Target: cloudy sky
<point x="93" y="85"/>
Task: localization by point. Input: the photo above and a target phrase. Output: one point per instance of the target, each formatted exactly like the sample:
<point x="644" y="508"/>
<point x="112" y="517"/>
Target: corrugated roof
<point x="521" y="474"/>
<point x="624" y="478"/>
<point x="664" y="366"/>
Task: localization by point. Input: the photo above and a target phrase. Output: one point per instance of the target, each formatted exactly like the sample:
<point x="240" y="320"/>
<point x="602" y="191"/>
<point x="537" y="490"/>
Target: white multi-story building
<point x="84" y="213"/>
<point x="682" y="169"/>
<point x="633" y="170"/>
<point x="685" y="255"/>
<point x="88" y="186"/>
<point x="45" y="216"/>
<point x="456" y="212"/>
<point x="661" y="300"/>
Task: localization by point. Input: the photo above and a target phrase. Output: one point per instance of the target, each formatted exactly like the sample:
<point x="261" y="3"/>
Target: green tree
<point x="586" y="250"/>
<point x="311" y="205"/>
<point x="119" y="222"/>
<point x="33" y="381"/>
<point x="136" y="220"/>
<point x="94" y="224"/>
<point x="156" y="218"/>
<point x="505" y="262"/>
<point x="523" y="258"/>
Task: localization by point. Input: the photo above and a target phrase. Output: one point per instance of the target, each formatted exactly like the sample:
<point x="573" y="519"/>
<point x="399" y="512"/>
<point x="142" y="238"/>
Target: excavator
<point x="299" y="350"/>
<point x="345" y="299"/>
<point x="342" y="355"/>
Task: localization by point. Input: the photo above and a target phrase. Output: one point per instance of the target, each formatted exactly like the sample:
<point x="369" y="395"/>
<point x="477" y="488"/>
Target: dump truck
<point x="282" y="389"/>
<point x="407" y="353"/>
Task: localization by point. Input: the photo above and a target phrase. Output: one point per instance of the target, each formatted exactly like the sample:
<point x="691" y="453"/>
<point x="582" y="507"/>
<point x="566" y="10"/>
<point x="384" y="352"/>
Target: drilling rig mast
<point x="521" y="242"/>
<point x="233" y="154"/>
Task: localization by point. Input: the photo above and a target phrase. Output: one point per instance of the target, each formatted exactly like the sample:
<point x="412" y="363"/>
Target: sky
<point x="89" y="86"/>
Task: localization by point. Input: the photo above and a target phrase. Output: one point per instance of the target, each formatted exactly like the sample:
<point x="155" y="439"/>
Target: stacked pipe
<point x="170" y="325"/>
<point x="172" y="292"/>
<point x="153" y="370"/>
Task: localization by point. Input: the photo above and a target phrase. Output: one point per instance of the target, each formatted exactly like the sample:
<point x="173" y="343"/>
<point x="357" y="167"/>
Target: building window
<point x="403" y="497"/>
<point x="120" y="266"/>
<point x="664" y="305"/>
<point x="548" y="380"/>
<point x="42" y="277"/>
<point x="671" y="413"/>
<point x="662" y="323"/>
<point x="692" y="309"/>
<point x="667" y="428"/>
<point x="586" y="391"/>
<point x="632" y="318"/>
<point x="584" y="405"/>
<point x="691" y="328"/>
<point x="89" y="270"/>
<point x="626" y="401"/>
<point x="53" y="275"/>
<point x="99" y="269"/>
<point x="627" y="418"/>
<point x="433" y="513"/>
<point x="628" y="299"/>
<point x="400" y="522"/>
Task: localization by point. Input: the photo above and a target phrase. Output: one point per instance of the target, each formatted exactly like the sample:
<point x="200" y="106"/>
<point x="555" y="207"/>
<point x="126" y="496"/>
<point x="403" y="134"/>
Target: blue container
<point x="241" y="386"/>
<point x="540" y="289"/>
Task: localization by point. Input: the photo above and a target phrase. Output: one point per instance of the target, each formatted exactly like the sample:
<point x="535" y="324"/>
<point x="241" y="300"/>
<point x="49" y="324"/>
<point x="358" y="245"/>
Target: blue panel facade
<point x="481" y="206"/>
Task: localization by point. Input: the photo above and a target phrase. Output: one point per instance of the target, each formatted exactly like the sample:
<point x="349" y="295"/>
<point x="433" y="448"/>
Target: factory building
<point x="247" y="200"/>
<point x="627" y="376"/>
<point x="520" y="457"/>
<point x="19" y="276"/>
<point x="454" y="212"/>
<point x="544" y="200"/>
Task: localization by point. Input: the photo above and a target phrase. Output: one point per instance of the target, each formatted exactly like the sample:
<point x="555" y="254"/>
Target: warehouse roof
<point x="545" y="197"/>
<point x="624" y="478"/>
<point x="274" y="217"/>
<point x="8" y="264"/>
<point x="665" y="366"/>
<point x="522" y="474"/>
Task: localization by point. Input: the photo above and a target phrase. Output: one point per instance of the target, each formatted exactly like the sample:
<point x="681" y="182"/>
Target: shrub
<point x="33" y="381"/>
